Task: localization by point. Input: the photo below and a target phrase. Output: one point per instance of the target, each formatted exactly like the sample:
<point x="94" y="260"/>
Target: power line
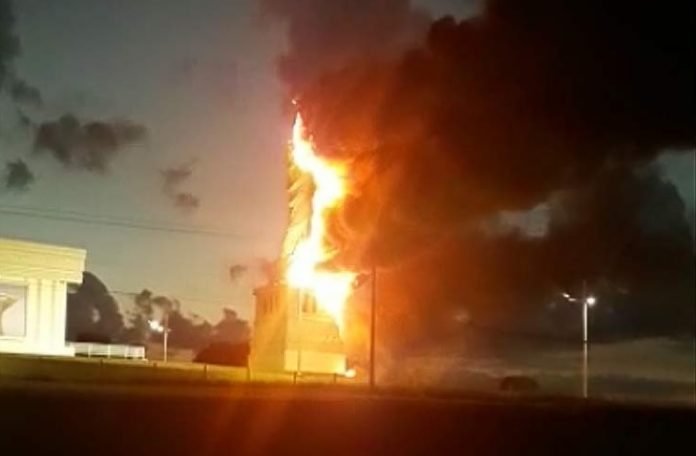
<point x="88" y="219"/>
<point x="63" y="211"/>
<point x="184" y="299"/>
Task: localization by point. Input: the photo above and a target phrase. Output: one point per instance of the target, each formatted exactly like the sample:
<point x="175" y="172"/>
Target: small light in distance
<point x="566" y="295"/>
<point x="591" y="301"/>
<point x="155" y="326"/>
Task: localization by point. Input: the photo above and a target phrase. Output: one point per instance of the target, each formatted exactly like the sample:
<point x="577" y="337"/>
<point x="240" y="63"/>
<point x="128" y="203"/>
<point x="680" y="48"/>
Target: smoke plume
<point x="326" y="35"/>
<point x="90" y="146"/>
<point x="563" y="103"/>
<point x="499" y="111"/>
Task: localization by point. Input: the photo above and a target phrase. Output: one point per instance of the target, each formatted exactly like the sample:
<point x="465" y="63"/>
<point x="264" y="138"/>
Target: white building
<point x="33" y="296"/>
<point x="291" y="334"/>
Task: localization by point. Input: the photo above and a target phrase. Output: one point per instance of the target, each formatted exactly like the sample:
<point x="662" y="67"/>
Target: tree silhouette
<point x="93" y="314"/>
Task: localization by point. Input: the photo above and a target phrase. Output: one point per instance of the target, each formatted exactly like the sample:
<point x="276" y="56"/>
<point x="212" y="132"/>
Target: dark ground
<point x="157" y="420"/>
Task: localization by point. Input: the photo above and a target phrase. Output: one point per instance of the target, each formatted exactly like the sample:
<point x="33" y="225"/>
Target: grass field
<point x="107" y="406"/>
<point x="272" y="419"/>
<point x="116" y="371"/>
<point x="657" y="371"/>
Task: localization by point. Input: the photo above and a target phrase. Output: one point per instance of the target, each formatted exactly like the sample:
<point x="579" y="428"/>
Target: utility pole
<point x="585" y="341"/>
<point x="373" y="324"/>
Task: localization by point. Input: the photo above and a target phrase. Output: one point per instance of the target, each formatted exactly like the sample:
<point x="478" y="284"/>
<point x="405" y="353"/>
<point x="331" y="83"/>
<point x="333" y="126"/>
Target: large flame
<point x="330" y="289"/>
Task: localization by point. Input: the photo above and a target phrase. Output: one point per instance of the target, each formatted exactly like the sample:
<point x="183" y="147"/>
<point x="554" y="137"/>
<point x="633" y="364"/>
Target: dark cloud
<point x="9" y="43"/>
<point x="90" y="146"/>
<point x="236" y="271"/>
<point x="175" y="176"/>
<point x="186" y="201"/>
<point x="19" y="90"/>
<point x="327" y="35"/>
<point x="18" y="176"/>
<point x="25" y="94"/>
<point x="172" y="179"/>
<point x="86" y="145"/>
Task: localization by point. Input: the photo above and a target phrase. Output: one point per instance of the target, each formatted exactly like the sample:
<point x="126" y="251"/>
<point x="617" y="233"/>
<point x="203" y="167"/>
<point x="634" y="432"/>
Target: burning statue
<point x="300" y="321"/>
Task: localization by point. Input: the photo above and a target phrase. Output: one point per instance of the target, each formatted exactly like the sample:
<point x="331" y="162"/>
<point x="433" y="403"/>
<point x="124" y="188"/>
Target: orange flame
<point x="330" y="289"/>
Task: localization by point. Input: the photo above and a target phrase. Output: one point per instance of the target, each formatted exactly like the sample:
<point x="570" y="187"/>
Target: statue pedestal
<point x="292" y="335"/>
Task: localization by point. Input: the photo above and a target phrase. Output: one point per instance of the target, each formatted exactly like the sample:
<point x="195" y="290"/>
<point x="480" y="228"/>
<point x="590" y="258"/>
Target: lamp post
<point x="158" y="327"/>
<point x="586" y="301"/>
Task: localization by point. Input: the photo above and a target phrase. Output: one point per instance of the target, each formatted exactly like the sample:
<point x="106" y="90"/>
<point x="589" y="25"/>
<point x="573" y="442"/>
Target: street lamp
<point x="587" y="301"/>
<point x="158" y="327"/>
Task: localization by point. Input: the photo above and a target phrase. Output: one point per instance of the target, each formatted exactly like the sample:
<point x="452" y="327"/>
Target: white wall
<point x="284" y="340"/>
<point x="44" y="272"/>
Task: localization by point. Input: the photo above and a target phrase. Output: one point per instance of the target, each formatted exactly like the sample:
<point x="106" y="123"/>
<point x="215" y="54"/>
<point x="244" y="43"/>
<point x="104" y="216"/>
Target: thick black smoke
<point x="624" y="235"/>
<point x="514" y="105"/>
<point x="172" y="179"/>
<point x="90" y="146"/>
<point x="540" y="101"/>
<point x="18" y="176"/>
<point x="326" y="35"/>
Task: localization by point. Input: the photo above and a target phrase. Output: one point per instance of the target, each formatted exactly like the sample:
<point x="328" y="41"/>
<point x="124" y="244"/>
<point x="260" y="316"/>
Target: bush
<point x="519" y="384"/>
<point x="224" y="354"/>
<point x="92" y="337"/>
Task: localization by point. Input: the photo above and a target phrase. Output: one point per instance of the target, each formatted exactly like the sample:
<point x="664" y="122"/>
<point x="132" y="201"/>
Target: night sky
<point x="201" y="77"/>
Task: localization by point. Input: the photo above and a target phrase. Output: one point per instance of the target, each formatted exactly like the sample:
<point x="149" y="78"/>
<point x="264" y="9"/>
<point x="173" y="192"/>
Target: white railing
<point x="108" y="350"/>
